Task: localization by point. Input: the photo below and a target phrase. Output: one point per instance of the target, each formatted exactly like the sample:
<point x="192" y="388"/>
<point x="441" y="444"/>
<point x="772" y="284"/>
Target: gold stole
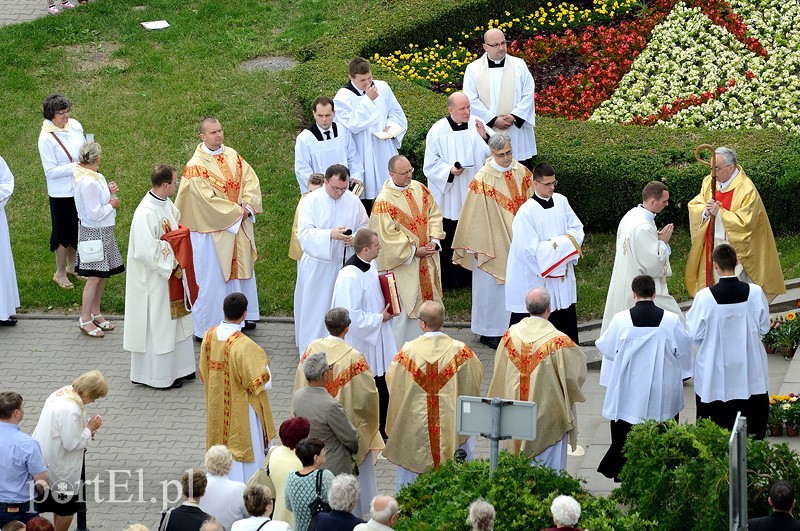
<point x="505" y="100"/>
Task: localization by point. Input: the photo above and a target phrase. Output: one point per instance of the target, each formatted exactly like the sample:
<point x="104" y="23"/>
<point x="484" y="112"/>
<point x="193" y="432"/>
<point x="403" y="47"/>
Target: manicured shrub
<point x="678" y="473"/>
<point x="520" y="493"/>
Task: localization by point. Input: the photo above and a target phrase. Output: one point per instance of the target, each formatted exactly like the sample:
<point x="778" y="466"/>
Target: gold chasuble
<point x="353" y="385"/>
<point x="209" y="198"/>
<point x="234" y="373"/>
<point x="425" y="380"/>
<point x="747" y="229"/>
<point x="537" y="363"/>
<point x="484" y="228"/>
<point x="406" y="220"/>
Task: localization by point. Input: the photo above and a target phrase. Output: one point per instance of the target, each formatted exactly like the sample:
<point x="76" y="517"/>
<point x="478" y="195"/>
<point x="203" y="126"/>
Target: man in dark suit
<point x="187" y="516"/>
<point x="342" y="496"/>
<point x="781" y="499"/>
<point x="328" y="419"/>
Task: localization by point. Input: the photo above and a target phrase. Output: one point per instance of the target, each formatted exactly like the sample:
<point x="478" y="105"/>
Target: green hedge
<point x="601" y="168"/>
<point x="678" y="474"/>
<point x="521" y="495"/>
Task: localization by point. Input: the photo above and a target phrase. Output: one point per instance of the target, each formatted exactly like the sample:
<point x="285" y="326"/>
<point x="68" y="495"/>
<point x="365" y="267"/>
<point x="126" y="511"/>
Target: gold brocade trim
<point x="417" y="224"/>
<point x="526" y="361"/>
<point x="344" y="377"/>
<point x="213" y="179"/>
<point x="518" y="193"/>
<point x="431" y="380"/>
<point x="178" y="309"/>
<point x="225" y="367"/>
<point x="258" y="382"/>
<point x="233" y="183"/>
<point x="571" y="238"/>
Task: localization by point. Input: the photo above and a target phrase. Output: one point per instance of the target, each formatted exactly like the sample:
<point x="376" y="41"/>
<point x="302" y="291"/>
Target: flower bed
<point x="784" y="334"/>
<point x="693" y="62"/>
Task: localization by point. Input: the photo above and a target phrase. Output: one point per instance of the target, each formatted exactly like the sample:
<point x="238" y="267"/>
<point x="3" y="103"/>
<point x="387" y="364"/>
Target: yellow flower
<point x="791" y="316"/>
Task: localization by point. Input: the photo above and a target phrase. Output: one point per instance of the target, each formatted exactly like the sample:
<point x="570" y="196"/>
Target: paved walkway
<point x="13" y="11"/>
<point x="150" y="436"/>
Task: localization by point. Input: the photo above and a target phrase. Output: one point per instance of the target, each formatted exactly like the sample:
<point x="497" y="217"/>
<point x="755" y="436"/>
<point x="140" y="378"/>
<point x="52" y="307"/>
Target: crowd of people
<point x="376" y="250"/>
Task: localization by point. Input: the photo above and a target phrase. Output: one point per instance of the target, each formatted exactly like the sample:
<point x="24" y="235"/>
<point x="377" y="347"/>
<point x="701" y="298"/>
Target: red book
<point x="390" y="294"/>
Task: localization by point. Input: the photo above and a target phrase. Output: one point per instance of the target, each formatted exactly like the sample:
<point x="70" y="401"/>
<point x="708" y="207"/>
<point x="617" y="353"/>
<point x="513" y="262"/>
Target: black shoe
<point x="198" y="339"/>
<point x="249" y="325"/>
<point x="192" y="376"/>
<point x="176" y="384"/>
<point x="8" y="322"/>
<point x="491" y="341"/>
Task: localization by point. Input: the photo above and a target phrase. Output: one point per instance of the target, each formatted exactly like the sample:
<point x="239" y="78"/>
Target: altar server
<point x="9" y="294"/>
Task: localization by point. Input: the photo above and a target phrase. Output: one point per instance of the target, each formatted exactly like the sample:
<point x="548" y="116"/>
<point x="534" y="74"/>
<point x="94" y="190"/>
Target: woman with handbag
<point x="59" y="141"/>
<point x="98" y="254"/>
<point x="307" y="489"/>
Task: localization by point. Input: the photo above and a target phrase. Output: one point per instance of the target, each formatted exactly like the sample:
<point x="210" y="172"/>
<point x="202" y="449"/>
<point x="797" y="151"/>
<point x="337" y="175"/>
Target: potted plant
<point x="792" y="417"/>
<point x="776" y="416"/>
<point x="784" y="335"/>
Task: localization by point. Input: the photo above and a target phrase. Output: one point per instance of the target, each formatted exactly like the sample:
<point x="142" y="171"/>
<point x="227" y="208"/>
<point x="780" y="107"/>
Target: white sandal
<point x="96" y="332"/>
<point x="105" y="324"/>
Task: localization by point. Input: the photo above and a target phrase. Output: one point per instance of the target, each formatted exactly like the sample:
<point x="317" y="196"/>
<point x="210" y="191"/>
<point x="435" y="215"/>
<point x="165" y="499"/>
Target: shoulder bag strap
<point x="262" y="525"/>
<point x="165" y="522"/>
<point x="319" y="483"/>
<point x="60" y="143"/>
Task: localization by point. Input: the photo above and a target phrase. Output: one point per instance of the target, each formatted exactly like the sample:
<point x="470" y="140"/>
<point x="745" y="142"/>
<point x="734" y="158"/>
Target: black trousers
<point x="453" y="276"/>
<point x="367" y="206"/>
<point x="723" y="414"/>
<point x="565" y="321"/>
<point x="383" y="402"/>
<point x="611" y="464"/>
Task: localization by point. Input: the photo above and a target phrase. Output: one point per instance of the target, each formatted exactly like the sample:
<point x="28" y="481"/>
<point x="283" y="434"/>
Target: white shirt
<point x="92" y="202"/>
<point x="223" y="500"/>
<point x="55" y="162"/>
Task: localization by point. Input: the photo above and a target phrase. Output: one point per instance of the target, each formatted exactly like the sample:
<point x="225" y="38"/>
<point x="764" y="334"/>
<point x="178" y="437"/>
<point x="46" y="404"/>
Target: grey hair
<point x="89" y="152"/>
<point x="537" y="301"/>
<point x="315" y="366"/>
<point x="384" y="515"/>
<point x="481" y="515"/>
<point x="212" y="524"/>
<point x="343" y="492"/>
<point x="566" y="510"/>
<point x="219" y="460"/>
<point x="727" y="154"/>
<point x="499" y="141"/>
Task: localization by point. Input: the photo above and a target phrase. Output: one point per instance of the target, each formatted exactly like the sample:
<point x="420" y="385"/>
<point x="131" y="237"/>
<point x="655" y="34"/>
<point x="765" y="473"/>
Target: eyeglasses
<point x="504" y="154"/>
<point x="403" y="173"/>
<point x="338" y="188"/>
<point x="495" y="45"/>
<point x="551" y="183"/>
<point x="62" y="113"/>
<point x="718" y="168"/>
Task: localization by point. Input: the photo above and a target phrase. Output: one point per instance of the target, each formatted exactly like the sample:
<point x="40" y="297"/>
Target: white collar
<point x="499" y="168"/>
<point x="434" y="333"/>
<point x="401" y="188"/>
<point x="722" y="186"/>
<point x="649" y="215"/>
<point x="215" y="152"/>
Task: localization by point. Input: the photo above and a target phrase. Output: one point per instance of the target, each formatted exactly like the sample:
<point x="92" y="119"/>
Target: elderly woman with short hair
<point x="96" y="201"/>
<point x="63" y="432"/>
<point x="342" y="497"/>
<point x="481" y="515"/>
<point x="259" y="502"/>
<point x="566" y="513"/>
<point x="223" y="499"/>
<point x="301" y="486"/>
<point x="60" y="140"/>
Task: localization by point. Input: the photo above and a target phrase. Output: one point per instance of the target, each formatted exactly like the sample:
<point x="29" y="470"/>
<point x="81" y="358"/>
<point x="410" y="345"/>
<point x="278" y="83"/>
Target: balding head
<point x="431" y="316"/>
<point x="538" y="303"/>
<point x="458" y="107"/>
<point x="384" y="509"/>
<point x="494" y="44"/>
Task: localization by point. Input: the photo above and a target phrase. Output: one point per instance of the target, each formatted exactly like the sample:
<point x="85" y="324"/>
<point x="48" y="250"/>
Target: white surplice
<point x="445" y="146"/>
<point x="360" y="293"/>
<point x="489" y="316"/>
<point x="9" y="293"/>
<point x="639" y="252"/>
<point x="161" y="347"/>
<point x="483" y="86"/>
<point x="314" y="153"/>
<point x="362" y="117"/>
<point x="647" y="368"/>
<point x="322" y="259"/>
<point x="731" y="363"/>
<point x="542" y="254"/>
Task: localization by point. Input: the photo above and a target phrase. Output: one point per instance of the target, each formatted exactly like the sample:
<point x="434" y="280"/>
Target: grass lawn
<point x="142" y="94"/>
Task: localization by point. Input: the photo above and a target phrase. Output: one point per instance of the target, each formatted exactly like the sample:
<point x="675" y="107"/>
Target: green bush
<point x="521" y="495"/>
<point x="678" y="474"/>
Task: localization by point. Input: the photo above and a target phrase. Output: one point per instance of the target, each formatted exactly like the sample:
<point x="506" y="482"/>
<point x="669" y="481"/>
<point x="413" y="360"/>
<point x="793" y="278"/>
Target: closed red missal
<point x="390" y="294"/>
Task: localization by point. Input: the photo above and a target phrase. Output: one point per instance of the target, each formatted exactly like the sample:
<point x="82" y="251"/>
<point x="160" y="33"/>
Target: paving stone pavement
<point x="13" y="11"/>
<point x="150" y="436"/>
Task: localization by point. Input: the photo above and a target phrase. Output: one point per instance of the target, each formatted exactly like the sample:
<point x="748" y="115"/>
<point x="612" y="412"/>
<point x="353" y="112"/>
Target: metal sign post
<point x="505" y="419"/>
<point x="737" y="472"/>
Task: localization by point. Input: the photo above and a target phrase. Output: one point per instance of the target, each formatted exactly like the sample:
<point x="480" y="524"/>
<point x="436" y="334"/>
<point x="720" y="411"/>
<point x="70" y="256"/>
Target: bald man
<point x="384" y="512"/>
<point x="500" y="88"/>
<point x="455" y="149"/>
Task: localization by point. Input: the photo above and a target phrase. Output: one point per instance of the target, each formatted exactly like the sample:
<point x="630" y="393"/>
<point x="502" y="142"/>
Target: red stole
<point x="182" y="284"/>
